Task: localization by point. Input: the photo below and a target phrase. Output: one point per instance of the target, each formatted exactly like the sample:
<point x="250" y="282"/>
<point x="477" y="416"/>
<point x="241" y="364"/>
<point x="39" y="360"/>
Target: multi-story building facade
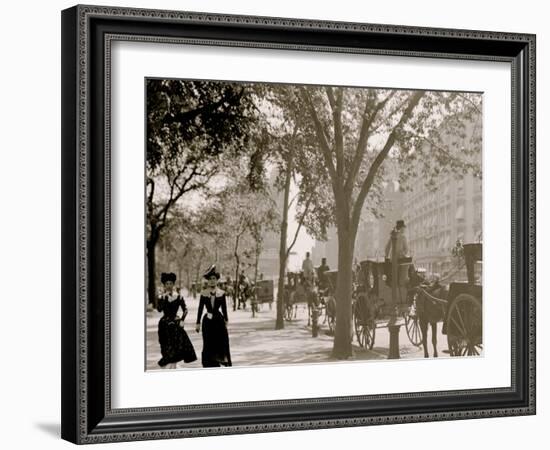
<point x="326" y="249"/>
<point x="438" y="218"/>
<point x="448" y="211"/>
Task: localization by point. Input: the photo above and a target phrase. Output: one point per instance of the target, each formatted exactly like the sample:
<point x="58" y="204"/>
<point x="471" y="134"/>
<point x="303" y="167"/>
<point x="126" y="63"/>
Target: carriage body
<point x="263" y="292"/>
<point x="374" y="282"/>
<point x="376" y="306"/>
<point x="331" y="277"/>
<point x="463" y="317"/>
<point x="368" y="297"/>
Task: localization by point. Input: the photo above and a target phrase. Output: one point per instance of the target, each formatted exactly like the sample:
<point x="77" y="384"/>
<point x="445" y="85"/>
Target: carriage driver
<point x="308" y="270"/>
<point x="401" y="251"/>
<point x="321" y="274"/>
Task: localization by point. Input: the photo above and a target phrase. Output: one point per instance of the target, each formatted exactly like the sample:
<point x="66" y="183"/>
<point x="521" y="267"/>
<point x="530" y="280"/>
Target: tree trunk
<point x="256" y="264"/>
<point x="237" y="264"/>
<point x="342" y="334"/>
<point x="198" y="277"/>
<point x="151" y="271"/>
<point x="280" y="322"/>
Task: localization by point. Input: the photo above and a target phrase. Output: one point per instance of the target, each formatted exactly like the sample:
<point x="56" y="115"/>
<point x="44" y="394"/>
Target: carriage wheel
<point x="464" y="330"/>
<point x="413" y="326"/>
<point x="357" y="324"/>
<point x="367" y="335"/>
<point x="331" y="324"/>
<point x="365" y="330"/>
<point x="289" y="311"/>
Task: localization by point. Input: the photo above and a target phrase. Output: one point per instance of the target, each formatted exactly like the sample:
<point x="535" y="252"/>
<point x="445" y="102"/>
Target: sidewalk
<point x="254" y="341"/>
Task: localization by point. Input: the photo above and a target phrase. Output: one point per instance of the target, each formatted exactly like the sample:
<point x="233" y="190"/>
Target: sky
<point x="304" y="243"/>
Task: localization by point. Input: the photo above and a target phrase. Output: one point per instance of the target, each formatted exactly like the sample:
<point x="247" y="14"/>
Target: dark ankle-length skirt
<point x="175" y="344"/>
<point x="215" y="351"/>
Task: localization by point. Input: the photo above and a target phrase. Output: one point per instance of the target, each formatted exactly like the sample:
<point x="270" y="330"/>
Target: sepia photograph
<point x="301" y="224"/>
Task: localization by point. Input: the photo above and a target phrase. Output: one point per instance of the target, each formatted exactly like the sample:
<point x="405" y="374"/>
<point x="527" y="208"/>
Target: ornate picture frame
<point x="88" y="33"/>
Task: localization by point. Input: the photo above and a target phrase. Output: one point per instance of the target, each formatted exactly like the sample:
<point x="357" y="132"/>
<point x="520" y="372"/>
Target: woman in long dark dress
<point x="175" y="344"/>
<point x="215" y="350"/>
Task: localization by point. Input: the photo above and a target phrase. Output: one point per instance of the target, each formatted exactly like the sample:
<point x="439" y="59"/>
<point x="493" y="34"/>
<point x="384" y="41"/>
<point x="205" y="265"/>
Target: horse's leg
<point x="308" y="314"/>
<point x="424" y="331"/>
<point x="434" y="338"/>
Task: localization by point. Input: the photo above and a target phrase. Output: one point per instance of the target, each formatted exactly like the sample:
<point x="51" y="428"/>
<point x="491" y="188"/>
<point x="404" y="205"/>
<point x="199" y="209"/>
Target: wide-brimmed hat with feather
<point x="212" y="271"/>
<point x="167" y="276"/>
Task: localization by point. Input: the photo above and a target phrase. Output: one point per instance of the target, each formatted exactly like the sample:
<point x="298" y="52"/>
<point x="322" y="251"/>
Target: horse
<point x="329" y="302"/>
<point x="246" y="292"/>
<point x="303" y="292"/>
<point x="430" y="311"/>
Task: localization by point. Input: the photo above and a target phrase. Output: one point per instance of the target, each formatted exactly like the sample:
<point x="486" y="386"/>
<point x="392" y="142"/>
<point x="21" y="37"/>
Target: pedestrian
<point x="175" y="344"/>
<point x="244" y="290"/>
<point x="215" y="339"/>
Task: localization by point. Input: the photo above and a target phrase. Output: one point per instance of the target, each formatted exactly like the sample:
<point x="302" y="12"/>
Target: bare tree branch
<point x="302" y="218"/>
<point x="358" y="206"/>
<point x="464" y="97"/>
<point x="336" y="107"/>
<point x="363" y="138"/>
<point x="326" y="150"/>
<point x="443" y="150"/>
<point x="386" y="119"/>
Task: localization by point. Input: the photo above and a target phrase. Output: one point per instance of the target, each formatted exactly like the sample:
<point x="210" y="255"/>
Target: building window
<point x="459" y="215"/>
<point x="460" y="187"/>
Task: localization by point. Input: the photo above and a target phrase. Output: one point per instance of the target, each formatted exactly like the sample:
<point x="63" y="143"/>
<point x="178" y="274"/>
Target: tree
<point x="191" y="126"/>
<point x="284" y="127"/>
<point x="357" y="130"/>
<point x="247" y="214"/>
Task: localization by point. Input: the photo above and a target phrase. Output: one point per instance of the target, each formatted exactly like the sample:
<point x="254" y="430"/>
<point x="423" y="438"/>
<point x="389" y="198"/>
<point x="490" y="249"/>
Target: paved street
<point x="254" y="341"/>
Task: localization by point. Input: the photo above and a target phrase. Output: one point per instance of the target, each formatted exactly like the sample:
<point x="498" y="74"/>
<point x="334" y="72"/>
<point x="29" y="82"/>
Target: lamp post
<point x="393" y="326"/>
<point x="314" y="321"/>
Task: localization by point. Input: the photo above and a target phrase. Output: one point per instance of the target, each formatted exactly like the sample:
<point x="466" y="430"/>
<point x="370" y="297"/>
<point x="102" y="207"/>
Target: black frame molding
<point x="87" y="33"/>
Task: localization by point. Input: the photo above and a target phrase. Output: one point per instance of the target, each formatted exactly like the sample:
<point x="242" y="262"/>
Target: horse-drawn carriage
<point x="299" y="291"/>
<point x="422" y="303"/>
<point x="262" y="294"/>
<point x="463" y="318"/>
<point x="374" y="305"/>
<point x="458" y="305"/>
